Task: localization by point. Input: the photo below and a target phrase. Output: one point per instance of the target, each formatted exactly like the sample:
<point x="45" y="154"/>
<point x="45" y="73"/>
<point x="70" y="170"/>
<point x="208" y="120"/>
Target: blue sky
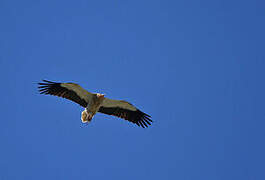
<point x="197" y="67"/>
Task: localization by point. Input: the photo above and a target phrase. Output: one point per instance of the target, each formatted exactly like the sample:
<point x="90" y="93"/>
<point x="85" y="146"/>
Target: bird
<point x="95" y="102"/>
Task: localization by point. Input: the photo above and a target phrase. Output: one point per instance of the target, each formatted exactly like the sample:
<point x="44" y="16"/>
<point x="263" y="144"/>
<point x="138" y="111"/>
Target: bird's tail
<point x="86" y="117"/>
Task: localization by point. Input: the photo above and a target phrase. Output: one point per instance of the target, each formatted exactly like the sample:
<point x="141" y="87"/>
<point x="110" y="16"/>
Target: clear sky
<point x="197" y="67"/>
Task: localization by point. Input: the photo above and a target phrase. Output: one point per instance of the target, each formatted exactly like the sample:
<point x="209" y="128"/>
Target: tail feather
<point x="86" y="117"/>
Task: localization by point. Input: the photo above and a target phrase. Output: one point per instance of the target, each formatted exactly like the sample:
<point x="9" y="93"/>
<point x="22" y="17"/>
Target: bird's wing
<point x="71" y="91"/>
<point x="126" y="111"/>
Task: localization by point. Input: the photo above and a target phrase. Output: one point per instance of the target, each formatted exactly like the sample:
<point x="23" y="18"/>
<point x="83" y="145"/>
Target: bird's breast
<point x="94" y="104"/>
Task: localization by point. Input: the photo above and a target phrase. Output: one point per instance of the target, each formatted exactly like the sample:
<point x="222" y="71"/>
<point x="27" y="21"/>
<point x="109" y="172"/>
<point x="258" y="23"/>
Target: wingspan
<point x="71" y="91"/>
<point x="126" y="111"/>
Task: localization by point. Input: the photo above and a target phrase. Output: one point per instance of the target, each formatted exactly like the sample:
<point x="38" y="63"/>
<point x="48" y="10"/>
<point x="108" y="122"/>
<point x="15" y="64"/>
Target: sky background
<point x="197" y="67"/>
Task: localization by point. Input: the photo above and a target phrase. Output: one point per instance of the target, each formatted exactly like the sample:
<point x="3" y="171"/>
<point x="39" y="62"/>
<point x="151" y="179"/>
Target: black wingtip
<point x="143" y="119"/>
<point x="45" y="86"/>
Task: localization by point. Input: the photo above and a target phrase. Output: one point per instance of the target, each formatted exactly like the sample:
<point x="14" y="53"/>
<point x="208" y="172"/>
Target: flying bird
<point x="95" y="102"/>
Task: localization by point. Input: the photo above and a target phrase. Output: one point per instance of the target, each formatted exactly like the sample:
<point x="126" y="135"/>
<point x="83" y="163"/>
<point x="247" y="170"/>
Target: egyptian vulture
<point x="95" y="102"/>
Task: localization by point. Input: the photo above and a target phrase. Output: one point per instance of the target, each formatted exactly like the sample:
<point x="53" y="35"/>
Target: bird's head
<point x="100" y="96"/>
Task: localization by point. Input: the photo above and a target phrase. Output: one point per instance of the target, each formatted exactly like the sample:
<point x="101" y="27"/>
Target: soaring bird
<point x="95" y="102"/>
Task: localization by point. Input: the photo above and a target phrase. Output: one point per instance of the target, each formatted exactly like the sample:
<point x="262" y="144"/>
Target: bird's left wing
<point x="126" y="111"/>
<point x="71" y="91"/>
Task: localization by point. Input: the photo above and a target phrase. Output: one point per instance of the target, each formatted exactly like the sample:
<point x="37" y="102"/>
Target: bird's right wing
<point x="125" y="110"/>
<point x="71" y="91"/>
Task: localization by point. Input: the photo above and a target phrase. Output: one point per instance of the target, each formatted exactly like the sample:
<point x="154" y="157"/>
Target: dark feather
<point x="53" y="88"/>
<point x="137" y="117"/>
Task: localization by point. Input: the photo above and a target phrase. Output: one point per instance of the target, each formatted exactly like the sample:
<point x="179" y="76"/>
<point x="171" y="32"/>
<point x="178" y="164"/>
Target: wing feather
<point x="71" y="91"/>
<point x="125" y="111"/>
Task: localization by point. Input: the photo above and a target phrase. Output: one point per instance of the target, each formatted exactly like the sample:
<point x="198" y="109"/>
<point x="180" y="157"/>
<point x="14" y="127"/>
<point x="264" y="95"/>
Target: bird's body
<point x="95" y="102"/>
<point x="92" y="107"/>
